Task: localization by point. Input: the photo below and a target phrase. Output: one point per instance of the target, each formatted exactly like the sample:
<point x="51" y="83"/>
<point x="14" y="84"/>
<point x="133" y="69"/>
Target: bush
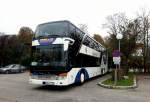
<point x="122" y="82"/>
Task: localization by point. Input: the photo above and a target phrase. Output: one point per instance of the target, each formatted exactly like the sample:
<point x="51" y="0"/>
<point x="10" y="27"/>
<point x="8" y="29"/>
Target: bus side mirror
<point x="71" y="41"/>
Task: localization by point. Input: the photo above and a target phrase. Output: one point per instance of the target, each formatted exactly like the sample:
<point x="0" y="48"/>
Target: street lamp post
<point x="119" y="37"/>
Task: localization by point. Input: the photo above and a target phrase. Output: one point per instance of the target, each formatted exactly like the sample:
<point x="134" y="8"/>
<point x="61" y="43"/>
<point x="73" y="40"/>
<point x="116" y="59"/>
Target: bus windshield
<point x="48" y="56"/>
<point x="52" y="29"/>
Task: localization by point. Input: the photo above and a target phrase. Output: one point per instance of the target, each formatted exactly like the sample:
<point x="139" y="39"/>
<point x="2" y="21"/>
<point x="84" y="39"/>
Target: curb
<point x="119" y="87"/>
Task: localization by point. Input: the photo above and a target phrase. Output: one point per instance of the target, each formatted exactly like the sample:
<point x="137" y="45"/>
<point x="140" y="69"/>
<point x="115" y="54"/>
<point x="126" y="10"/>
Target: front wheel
<point x="82" y="78"/>
<point x="7" y="72"/>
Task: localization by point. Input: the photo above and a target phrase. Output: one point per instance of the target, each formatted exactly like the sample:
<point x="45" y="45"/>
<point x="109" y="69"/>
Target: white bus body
<point x="74" y="74"/>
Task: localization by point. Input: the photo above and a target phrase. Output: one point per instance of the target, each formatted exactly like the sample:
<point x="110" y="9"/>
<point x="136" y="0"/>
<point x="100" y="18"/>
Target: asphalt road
<point x="15" y="88"/>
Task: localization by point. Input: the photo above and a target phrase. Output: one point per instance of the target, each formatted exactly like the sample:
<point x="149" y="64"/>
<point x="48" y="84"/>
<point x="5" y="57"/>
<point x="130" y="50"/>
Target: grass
<point x="123" y="82"/>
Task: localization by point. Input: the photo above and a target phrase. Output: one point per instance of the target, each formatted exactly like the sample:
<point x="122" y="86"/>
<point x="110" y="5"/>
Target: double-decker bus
<point x="62" y="54"/>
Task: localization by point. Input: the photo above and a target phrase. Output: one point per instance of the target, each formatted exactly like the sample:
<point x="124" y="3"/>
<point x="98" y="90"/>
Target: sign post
<point x="116" y="60"/>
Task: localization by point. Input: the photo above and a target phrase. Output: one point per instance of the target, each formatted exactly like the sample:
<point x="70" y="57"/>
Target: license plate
<point x="48" y="83"/>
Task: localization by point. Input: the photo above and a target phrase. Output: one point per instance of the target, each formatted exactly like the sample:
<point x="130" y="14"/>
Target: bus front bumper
<point x="49" y="82"/>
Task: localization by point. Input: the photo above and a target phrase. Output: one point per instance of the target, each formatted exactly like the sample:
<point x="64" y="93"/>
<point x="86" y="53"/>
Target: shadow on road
<point x="54" y="88"/>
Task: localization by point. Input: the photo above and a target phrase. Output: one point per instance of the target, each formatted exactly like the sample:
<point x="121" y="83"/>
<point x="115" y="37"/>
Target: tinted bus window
<point x="48" y="29"/>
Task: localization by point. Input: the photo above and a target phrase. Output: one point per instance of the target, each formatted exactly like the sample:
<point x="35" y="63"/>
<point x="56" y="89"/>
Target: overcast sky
<point x="17" y="13"/>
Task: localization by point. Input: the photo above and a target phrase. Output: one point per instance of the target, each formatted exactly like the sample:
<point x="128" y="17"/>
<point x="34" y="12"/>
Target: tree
<point x="119" y="23"/>
<point x="25" y="38"/>
<point x="116" y="23"/>
<point x="144" y="18"/>
<point x="16" y="48"/>
<point x="98" y="38"/>
<point x="25" y="35"/>
<point x="2" y="49"/>
<point x="9" y="51"/>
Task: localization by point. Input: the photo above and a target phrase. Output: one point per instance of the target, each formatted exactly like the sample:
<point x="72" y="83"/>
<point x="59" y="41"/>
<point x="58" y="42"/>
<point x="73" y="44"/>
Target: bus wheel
<point x="102" y="72"/>
<point x="82" y="78"/>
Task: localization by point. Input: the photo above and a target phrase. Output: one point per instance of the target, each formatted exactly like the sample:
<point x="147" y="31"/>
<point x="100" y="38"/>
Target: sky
<point x="17" y="13"/>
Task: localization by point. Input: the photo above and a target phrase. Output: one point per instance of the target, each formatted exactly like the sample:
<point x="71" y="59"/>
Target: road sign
<point x="116" y="53"/>
<point x="116" y="60"/>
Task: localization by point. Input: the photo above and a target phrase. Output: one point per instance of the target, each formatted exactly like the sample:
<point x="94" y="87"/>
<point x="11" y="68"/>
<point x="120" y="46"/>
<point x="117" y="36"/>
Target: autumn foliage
<point x="16" y="48"/>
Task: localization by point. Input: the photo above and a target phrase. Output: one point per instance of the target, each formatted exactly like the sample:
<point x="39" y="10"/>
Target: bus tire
<point x="82" y="79"/>
<point x="102" y="72"/>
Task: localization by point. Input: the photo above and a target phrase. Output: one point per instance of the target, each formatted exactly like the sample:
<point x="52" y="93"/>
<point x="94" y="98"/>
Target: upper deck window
<point x="52" y="29"/>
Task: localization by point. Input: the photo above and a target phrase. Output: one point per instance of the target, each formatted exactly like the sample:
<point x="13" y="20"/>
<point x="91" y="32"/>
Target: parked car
<point x="13" y="68"/>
